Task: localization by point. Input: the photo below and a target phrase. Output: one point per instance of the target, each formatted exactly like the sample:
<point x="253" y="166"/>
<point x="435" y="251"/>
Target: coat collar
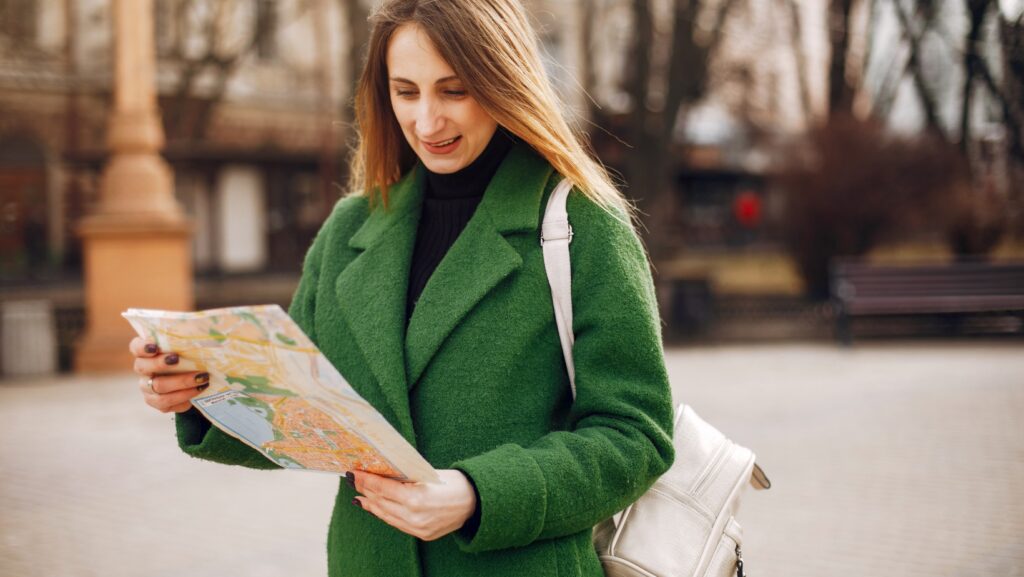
<point x="405" y="198"/>
<point x="373" y="287"/>
<point x="371" y="293"/>
<point x="481" y="256"/>
<point x="512" y="198"/>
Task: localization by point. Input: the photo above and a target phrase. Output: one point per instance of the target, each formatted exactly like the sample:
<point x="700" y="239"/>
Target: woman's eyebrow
<point x="407" y="81"/>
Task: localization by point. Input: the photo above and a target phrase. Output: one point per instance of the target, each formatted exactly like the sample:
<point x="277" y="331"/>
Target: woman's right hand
<point x="162" y="388"/>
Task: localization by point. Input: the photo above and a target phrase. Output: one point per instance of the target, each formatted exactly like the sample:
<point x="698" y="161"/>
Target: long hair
<point x="492" y="47"/>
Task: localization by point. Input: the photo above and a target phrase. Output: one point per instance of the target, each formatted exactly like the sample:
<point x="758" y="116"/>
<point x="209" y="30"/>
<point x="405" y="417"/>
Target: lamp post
<point x="136" y="244"/>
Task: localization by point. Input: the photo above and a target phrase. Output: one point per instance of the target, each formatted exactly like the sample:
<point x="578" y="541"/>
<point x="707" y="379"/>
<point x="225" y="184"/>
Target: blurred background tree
<point x="859" y="184"/>
<point x="204" y="43"/>
<point x="759" y="139"/>
<point x="852" y="184"/>
<point x="937" y="73"/>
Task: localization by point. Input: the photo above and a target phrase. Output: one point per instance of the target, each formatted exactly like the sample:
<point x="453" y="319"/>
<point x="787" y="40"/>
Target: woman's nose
<point x="429" y="120"/>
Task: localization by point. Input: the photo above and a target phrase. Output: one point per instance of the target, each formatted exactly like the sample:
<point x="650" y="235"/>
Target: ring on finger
<point x="149" y="385"/>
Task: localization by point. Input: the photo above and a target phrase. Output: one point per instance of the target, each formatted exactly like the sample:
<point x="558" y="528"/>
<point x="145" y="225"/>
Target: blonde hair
<point x="492" y="47"/>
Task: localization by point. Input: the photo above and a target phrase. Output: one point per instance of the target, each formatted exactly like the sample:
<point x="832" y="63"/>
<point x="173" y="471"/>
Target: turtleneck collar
<point x="472" y="180"/>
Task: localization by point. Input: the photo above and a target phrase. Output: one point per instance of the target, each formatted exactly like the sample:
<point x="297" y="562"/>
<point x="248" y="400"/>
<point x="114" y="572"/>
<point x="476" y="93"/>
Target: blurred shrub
<point x="850" y="184"/>
<point x="977" y="220"/>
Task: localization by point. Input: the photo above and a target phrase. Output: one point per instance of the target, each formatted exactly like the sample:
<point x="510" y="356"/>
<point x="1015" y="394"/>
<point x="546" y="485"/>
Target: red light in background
<point x="746" y="208"/>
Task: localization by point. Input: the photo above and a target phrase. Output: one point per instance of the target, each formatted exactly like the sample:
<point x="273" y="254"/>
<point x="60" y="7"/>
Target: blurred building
<point x="254" y="100"/>
<point x="251" y="94"/>
<point x="254" y="97"/>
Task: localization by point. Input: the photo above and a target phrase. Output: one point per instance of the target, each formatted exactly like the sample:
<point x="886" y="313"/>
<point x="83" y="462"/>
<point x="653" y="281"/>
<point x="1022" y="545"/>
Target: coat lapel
<point x="480" y="258"/>
<point x="372" y="292"/>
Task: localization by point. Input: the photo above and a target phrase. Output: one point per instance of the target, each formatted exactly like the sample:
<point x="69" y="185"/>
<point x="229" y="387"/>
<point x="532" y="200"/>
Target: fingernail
<point x="202" y="388"/>
<point x="152" y="349"/>
<point x="171" y="359"/>
<point x="357" y="503"/>
<point x="203" y="378"/>
<point x="350" y="479"/>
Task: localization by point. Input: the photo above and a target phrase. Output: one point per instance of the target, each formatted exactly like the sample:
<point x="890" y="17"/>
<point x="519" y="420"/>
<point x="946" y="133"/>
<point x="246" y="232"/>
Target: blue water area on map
<point x="245" y="421"/>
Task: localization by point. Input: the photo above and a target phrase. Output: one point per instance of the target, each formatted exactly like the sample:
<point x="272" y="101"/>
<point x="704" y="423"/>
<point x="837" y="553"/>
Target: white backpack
<point x="685" y="525"/>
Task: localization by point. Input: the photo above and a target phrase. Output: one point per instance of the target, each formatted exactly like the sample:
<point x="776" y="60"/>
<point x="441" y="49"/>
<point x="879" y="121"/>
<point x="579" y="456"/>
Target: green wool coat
<point x="477" y="382"/>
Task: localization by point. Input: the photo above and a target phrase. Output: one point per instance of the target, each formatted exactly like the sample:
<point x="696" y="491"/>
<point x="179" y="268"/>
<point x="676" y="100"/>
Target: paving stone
<point x="887" y="460"/>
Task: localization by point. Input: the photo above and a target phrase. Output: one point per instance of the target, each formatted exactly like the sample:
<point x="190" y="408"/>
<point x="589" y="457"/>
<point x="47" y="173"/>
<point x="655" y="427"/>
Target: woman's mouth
<point x="443" y="146"/>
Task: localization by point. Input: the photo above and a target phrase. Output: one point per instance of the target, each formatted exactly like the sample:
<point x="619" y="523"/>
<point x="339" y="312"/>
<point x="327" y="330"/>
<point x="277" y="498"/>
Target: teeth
<point x="446" y="142"/>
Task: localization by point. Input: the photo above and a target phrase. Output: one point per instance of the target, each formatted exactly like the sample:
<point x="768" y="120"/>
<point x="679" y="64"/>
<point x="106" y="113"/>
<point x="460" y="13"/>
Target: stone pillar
<point x="136" y="244"/>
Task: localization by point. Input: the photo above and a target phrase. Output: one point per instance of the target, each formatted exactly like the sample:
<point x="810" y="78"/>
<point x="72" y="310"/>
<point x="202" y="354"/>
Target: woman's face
<point x="443" y="124"/>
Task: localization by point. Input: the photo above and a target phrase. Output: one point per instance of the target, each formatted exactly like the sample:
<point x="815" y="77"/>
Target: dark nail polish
<point x="350" y="479"/>
<point x="171" y="359"/>
<point x="152" y="349"/>
<point x="357" y="503"/>
<point x="203" y="378"/>
<point x="202" y="388"/>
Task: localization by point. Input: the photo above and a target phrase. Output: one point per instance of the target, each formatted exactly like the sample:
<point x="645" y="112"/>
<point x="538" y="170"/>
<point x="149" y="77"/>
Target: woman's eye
<point x="405" y="93"/>
<point x="455" y="93"/>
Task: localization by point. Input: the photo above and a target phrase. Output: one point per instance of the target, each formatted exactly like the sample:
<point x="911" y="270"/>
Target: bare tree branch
<point x="800" y="55"/>
<point x="188" y="117"/>
<point x="889" y="88"/>
<point x="1011" y="115"/>
<point x="585" y="13"/>
<point x="840" y="93"/>
<point x="355" y="15"/>
<point x="638" y="80"/>
<point x="924" y="92"/>
<point x="869" y="43"/>
<point x="724" y="9"/>
<point x="977" y="10"/>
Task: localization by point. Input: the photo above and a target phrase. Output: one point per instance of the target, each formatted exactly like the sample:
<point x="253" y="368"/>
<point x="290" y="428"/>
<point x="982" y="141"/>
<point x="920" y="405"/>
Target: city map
<point x="271" y="388"/>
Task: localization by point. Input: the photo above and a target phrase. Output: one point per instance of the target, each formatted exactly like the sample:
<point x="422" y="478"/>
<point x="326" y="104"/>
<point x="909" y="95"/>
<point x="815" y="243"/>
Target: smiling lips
<point x="443" y="146"/>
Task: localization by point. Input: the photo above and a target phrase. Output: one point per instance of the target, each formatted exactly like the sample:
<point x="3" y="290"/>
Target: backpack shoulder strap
<point x="555" y="236"/>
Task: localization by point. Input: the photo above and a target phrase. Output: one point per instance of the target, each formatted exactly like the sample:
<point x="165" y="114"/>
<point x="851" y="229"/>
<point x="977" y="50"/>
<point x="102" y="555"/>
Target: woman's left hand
<point x="427" y="511"/>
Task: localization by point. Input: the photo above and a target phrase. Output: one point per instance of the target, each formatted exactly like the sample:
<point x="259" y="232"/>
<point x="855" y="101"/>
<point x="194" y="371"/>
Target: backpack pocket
<point x="727" y="556"/>
<point x="666" y="543"/>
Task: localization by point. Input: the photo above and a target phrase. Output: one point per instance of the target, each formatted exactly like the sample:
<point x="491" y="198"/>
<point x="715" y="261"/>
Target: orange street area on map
<point x="271" y="388"/>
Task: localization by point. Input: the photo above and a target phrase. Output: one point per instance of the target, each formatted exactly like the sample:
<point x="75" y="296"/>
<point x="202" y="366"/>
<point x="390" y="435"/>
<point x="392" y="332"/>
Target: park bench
<point x="953" y="290"/>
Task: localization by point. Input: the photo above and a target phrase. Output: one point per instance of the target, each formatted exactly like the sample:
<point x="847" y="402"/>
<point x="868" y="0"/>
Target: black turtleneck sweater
<point x="448" y="203"/>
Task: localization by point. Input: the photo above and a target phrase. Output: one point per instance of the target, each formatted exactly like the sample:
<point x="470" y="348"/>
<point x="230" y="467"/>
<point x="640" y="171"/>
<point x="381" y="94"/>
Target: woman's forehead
<point x="411" y="56"/>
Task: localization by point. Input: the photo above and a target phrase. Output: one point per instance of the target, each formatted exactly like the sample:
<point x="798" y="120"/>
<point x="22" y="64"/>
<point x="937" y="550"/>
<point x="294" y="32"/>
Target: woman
<point x="427" y="290"/>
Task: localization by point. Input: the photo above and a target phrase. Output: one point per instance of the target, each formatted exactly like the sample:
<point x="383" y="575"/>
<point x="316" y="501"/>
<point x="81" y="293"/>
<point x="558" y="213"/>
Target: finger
<point x="408" y="518"/>
<point x="186" y="406"/>
<point x="143" y="348"/>
<point x="161" y="363"/>
<point x="168" y="384"/>
<point x="165" y="403"/>
<point x="377" y="486"/>
<point x="164" y="384"/>
<point x="373" y="507"/>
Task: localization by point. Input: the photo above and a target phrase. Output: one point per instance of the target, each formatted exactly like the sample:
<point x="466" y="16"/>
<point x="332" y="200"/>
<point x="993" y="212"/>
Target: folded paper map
<point x="271" y="388"/>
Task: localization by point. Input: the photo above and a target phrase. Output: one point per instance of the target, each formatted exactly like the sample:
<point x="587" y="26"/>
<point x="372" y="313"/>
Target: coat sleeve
<point x="619" y="439"/>
<point x="196" y="436"/>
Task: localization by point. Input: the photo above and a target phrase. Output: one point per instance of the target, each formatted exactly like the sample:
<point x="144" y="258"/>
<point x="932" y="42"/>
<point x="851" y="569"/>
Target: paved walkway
<point x="888" y="460"/>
